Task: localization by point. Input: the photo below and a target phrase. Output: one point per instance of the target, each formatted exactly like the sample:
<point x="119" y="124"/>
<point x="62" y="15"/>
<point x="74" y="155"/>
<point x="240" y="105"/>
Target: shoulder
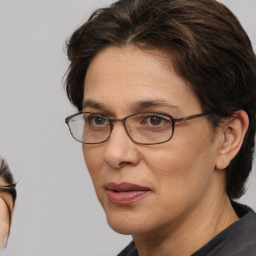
<point x="243" y="232"/>
<point x="239" y="239"/>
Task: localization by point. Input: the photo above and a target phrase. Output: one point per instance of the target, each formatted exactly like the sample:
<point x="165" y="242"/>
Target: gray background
<point x="57" y="213"/>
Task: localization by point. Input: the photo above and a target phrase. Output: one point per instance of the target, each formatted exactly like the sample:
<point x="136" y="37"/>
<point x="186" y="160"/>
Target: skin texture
<point x="187" y="204"/>
<point x="5" y="197"/>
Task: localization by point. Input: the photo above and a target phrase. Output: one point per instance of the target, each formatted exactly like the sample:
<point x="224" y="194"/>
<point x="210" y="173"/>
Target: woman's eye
<point x="97" y="120"/>
<point x="155" y="120"/>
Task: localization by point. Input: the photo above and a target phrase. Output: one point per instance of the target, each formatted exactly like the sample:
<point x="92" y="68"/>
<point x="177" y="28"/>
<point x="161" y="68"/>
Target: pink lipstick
<point x="125" y="193"/>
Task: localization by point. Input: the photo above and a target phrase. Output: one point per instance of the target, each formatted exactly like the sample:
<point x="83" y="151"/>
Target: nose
<point x="120" y="149"/>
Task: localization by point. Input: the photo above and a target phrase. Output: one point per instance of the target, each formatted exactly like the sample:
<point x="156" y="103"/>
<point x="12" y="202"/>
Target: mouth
<point x="125" y="193"/>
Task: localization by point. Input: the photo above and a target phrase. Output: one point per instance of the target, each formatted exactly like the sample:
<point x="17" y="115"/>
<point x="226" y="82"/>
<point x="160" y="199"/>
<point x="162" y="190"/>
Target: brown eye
<point x="155" y="120"/>
<point x="152" y="120"/>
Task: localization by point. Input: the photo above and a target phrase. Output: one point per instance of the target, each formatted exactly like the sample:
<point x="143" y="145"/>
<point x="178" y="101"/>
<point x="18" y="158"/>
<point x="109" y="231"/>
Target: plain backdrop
<point x="57" y="213"/>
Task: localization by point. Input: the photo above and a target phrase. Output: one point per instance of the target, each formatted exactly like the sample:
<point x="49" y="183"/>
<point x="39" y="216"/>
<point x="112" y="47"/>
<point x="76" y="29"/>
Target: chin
<point x="123" y="230"/>
<point x="123" y="227"/>
<point x="127" y="222"/>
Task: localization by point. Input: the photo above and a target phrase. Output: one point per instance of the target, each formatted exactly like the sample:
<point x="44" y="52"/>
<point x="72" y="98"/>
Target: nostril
<point x="112" y="163"/>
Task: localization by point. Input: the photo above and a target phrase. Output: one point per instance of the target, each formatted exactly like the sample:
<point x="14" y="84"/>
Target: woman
<point x="141" y="69"/>
<point x="7" y="201"/>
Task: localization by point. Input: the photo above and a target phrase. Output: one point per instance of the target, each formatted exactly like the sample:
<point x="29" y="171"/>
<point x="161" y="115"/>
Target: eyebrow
<point x="140" y="105"/>
<point x="135" y="107"/>
<point x="93" y="104"/>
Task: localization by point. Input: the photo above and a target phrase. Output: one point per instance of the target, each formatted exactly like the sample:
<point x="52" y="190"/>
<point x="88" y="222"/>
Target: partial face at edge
<point x="5" y="199"/>
<point x="178" y="174"/>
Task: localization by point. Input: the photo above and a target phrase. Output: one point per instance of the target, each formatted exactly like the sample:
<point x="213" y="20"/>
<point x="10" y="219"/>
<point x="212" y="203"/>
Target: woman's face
<point x="145" y="188"/>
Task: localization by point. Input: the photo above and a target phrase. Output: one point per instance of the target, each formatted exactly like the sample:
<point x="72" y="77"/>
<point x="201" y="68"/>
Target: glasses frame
<point x="123" y="121"/>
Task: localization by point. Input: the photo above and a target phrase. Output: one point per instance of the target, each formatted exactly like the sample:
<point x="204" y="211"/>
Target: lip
<point x="125" y="193"/>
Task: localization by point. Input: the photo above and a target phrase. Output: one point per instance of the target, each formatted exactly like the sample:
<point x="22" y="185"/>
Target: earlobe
<point x="233" y="134"/>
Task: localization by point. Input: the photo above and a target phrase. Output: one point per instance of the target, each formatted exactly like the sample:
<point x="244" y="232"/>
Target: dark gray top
<point x="239" y="239"/>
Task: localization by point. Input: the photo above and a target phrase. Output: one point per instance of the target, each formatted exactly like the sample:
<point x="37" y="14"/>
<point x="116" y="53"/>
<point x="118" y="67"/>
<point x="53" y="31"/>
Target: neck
<point x="190" y="232"/>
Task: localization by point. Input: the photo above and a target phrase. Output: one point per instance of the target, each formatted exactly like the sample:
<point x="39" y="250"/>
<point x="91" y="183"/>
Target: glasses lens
<point x="149" y="128"/>
<point x="89" y="127"/>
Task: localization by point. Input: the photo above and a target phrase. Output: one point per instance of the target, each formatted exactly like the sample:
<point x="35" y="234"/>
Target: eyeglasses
<point x="146" y="128"/>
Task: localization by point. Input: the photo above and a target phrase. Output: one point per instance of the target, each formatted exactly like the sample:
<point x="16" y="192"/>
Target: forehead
<point x="123" y="75"/>
<point x="129" y="61"/>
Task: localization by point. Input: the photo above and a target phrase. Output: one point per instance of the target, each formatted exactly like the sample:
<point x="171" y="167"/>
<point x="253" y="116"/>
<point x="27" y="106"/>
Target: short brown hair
<point x="207" y="47"/>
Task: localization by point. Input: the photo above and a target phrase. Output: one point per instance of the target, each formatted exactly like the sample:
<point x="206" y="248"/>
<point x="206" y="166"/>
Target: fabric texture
<point x="239" y="239"/>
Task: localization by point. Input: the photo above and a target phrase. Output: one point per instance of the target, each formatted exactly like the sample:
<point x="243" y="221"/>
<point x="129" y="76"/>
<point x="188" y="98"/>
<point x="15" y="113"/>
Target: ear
<point x="233" y="133"/>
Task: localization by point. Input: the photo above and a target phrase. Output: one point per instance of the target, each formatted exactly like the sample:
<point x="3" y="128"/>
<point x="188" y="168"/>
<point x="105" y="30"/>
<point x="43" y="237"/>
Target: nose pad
<point x="120" y="149"/>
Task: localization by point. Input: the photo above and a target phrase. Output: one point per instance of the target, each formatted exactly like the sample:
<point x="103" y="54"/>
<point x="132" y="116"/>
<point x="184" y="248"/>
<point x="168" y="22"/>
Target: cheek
<point x="93" y="157"/>
<point x="4" y="222"/>
<point x="181" y="168"/>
